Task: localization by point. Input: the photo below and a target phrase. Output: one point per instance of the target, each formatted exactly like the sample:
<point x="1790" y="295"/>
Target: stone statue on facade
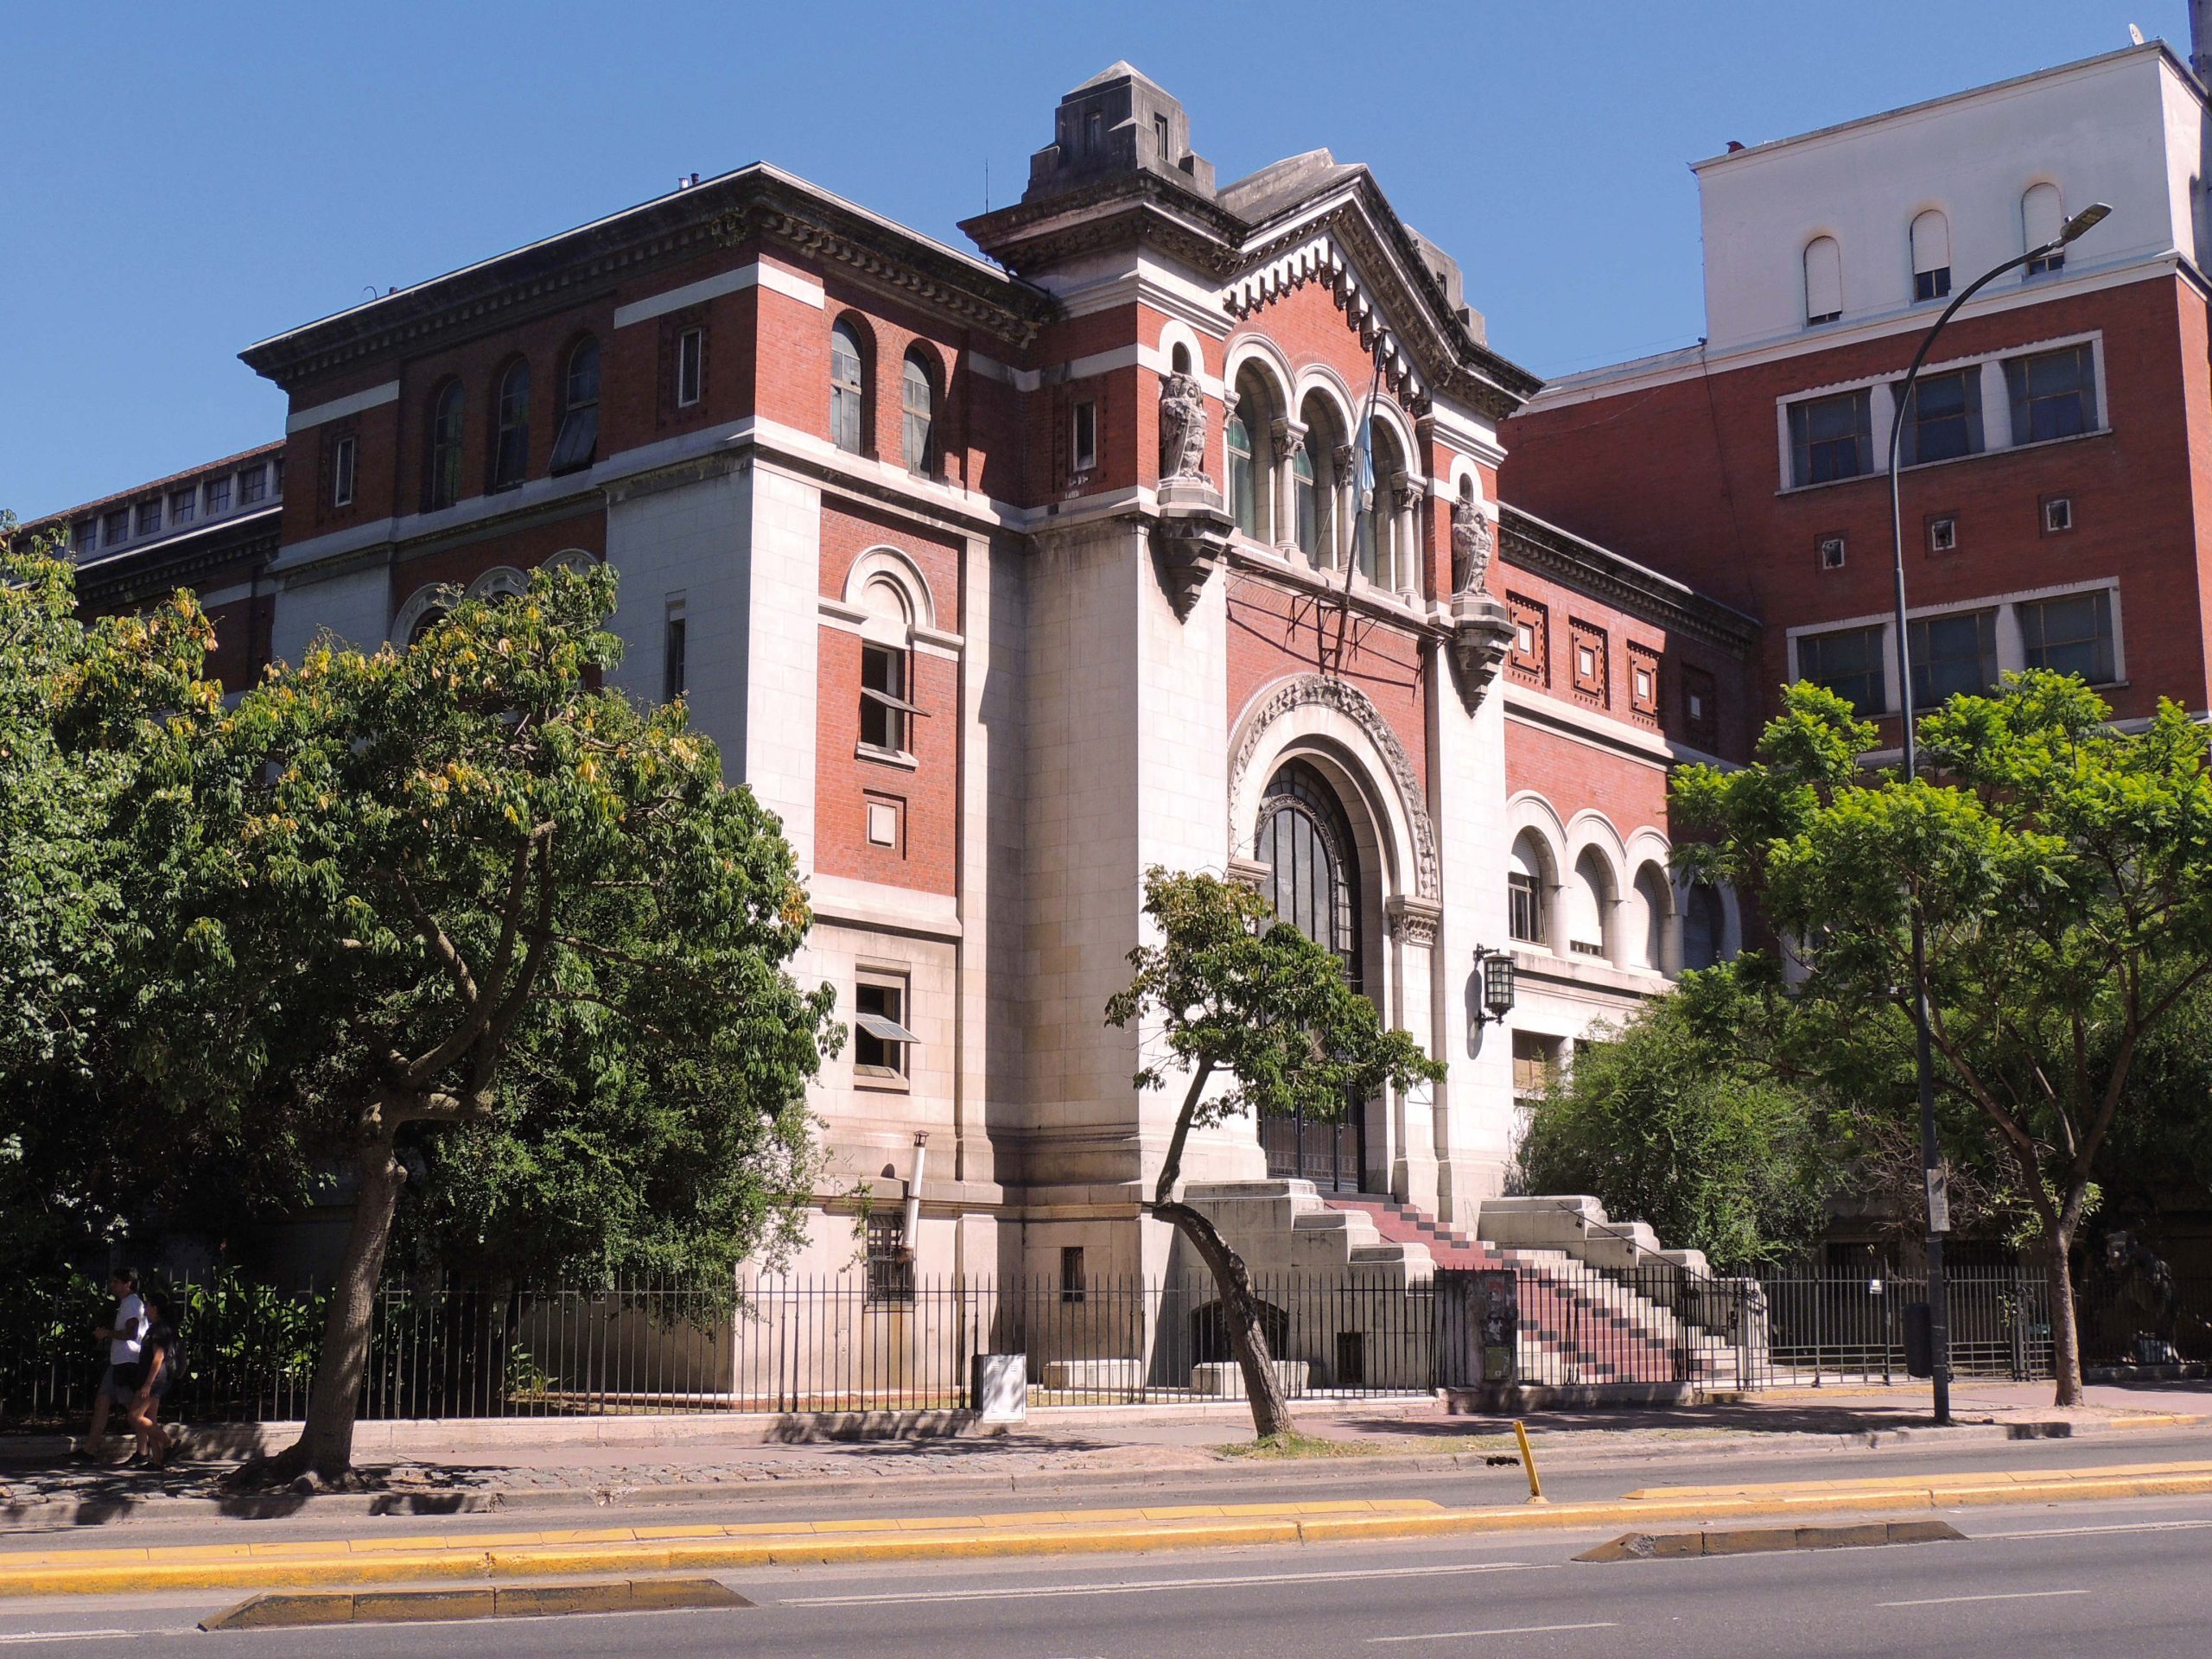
<point x="1182" y="427"/>
<point x="1470" y="546"/>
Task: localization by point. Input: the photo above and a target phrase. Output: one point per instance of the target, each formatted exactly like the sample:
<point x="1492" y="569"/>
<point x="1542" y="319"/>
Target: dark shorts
<point x="121" y="1384"/>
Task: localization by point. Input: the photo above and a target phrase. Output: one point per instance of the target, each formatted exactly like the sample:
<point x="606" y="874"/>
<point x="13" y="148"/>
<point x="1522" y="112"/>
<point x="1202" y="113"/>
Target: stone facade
<point x="1001" y="579"/>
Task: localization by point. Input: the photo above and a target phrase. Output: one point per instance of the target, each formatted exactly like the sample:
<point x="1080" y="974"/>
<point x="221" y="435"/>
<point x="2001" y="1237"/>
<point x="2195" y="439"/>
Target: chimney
<point x="2200" y="38"/>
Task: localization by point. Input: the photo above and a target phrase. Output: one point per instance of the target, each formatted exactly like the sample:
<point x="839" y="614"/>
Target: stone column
<point x="1413" y="929"/>
<point x="1289" y="439"/>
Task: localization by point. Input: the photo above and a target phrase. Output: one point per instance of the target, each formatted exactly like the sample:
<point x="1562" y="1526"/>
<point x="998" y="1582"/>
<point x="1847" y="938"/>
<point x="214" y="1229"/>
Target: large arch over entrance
<point x="1327" y="817"/>
<point x="1306" y="843"/>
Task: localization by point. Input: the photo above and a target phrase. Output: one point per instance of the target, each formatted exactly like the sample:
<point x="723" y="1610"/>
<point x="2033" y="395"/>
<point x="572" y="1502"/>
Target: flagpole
<point x="1363" y="487"/>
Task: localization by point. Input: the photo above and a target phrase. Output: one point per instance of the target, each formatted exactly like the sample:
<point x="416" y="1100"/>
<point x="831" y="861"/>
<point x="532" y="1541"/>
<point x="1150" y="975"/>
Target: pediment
<point x="1350" y="242"/>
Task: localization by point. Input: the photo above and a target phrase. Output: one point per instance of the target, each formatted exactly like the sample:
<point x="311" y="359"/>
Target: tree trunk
<point x="1240" y="1318"/>
<point x="324" y="1448"/>
<point x="2065" y="1336"/>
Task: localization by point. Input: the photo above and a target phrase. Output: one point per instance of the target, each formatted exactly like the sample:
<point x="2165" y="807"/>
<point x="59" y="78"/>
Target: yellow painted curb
<point x="660" y="1549"/>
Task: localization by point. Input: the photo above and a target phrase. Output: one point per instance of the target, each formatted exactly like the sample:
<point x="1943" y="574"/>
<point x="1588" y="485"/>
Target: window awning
<point x="884" y="1030"/>
<point x="888" y="700"/>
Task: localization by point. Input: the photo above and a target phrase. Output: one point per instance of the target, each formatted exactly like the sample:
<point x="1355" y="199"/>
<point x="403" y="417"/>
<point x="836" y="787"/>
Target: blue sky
<point x="178" y="181"/>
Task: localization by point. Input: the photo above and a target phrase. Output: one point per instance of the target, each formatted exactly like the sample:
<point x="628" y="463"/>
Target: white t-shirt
<point x="130" y="1327"/>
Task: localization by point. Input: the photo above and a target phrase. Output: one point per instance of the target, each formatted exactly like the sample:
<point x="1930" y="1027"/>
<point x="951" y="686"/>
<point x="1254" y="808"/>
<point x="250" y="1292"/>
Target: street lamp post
<point x="1939" y="1220"/>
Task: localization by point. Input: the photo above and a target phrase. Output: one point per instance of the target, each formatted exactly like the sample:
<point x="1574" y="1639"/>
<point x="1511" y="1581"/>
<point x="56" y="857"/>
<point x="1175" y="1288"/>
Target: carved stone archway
<point x="1407" y="812"/>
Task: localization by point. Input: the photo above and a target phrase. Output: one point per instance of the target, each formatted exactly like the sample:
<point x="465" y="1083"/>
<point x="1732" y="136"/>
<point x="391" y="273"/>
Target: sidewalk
<point x="532" y="1464"/>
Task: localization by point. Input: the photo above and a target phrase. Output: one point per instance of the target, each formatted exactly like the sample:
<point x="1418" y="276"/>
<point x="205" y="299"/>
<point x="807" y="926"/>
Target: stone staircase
<point x="1602" y="1303"/>
<point x="1599" y="1297"/>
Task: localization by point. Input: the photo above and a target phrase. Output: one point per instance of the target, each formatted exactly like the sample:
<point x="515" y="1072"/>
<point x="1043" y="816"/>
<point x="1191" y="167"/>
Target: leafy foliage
<point x="1665" y="1124"/>
<point x="2062" y="872"/>
<point x="1237" y="994"/>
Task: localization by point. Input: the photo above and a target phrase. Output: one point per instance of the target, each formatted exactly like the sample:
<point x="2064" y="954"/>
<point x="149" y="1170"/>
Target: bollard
<point x="1528" y="1463"/>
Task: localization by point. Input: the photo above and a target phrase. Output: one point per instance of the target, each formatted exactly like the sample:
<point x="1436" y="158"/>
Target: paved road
<point x="1687" y="1464"/>
<point x="2079" y="1579"/>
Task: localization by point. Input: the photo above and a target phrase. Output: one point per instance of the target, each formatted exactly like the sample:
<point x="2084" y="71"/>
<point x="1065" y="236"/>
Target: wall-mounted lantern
<point x="1497" y="969"/>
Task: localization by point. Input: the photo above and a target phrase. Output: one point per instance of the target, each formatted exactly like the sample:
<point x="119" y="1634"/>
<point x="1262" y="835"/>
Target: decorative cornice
<point x="1414" y="921"/>
<point x="1549" y="551"/>
<point x="564" y="270"/>
<point x="166" y="568"/>
<point x="1320" y="690"/>
<point x="1360" y="251"/>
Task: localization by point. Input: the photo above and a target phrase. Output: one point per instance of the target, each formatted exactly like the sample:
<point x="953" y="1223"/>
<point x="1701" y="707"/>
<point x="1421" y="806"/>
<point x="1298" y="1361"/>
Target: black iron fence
<point x="844" y="1343"/>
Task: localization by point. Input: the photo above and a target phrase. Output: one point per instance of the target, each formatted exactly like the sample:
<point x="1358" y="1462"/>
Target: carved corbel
<point x="1482" y="634"/>
<point x="1189" y="538"/>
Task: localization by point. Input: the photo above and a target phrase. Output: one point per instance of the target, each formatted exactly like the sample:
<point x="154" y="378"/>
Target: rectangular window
<point x="184" y="506"/>
<point x="1589" y="646"/>
<point x="218" y="496"/>
<point x="1849" y="663"/>
<point x="85" y="535"/>
<point x="2071" y="635"/>
<point x="1700" y="710"/>
<point x="1831" y="438"/>
<point x="1072" y="1288"/>
<point x="881" y="1039"/>
<point x="2054" y="394"/>
<point x="1535" y="1061"/>
<point x="1944" y="419"/>
<point x="882" y="815"/>
<point x="674" y="670"/>
<point x="890" y="1263"/>
<point x="1943" y="533"/>
<point x="253" y="485"/>
<point x="690" y="365"/>
<point x="884" y="707"/>
<point x="1524" y="905"/>
<point x="150" y="516"/>
<point x="1832" y="552"/>
<point x="1931" y="284"/>
<point x="1083" y="437"/>
<point x="1643" y="682"/>
<point x="2057" y="514"/>
<point x="342" y="474"/>
<point x="118" y="526"/>
<point x="1952" y="656"/>
<point x="1531" y="638"/>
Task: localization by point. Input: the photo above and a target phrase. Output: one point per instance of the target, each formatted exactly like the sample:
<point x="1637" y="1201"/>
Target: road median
<point x="493" y="1556"/>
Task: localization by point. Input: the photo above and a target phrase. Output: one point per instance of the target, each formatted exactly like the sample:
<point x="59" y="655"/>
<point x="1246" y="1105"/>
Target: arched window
<point x="1319" y="480"/>
<point x="1257" y="501"/>
<point x="1823" y="280"/>
<point x="577" y="441"/>
<point x="1313" y="882"/>
<point x="1525" y="902"/>
<point x="445" y="447"/>
<point x="847" y="390"/>
<point x="1589" y="906"/>
<point x="916" y="399"/>
<point x="1244" y="501"/>
<point x="1381" y="542"/>
<point x="1931" y="257"/>
<point x="1308" y="493"/>
<point x="2043" y="215"/>
<point x="511" y="431"/>
<point x="1648" y="929"/>
<point x="1704" y="928"/>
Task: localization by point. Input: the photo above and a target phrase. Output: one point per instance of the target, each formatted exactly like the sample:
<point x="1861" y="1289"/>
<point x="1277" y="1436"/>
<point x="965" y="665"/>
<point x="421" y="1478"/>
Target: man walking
<point x="119" y="1382"/>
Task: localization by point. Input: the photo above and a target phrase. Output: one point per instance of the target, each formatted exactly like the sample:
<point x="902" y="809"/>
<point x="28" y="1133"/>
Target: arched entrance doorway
<point x="1313" y="882"/>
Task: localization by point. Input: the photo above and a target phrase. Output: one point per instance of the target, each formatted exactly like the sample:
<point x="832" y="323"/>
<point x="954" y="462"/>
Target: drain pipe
<point x="914" y="1191"/>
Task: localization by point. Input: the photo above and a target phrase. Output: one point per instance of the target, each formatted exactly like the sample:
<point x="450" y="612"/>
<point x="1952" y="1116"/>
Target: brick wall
<point x="1685" y="476"/>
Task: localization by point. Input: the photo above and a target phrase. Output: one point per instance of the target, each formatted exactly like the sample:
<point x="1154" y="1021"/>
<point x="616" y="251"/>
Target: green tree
<point x="2062" y="871"/>
<point x="459" y="889"/>
<point x="1265" y="1022"/>
<point x="1668" y="1120"/>
<point x="86" y="711"/>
